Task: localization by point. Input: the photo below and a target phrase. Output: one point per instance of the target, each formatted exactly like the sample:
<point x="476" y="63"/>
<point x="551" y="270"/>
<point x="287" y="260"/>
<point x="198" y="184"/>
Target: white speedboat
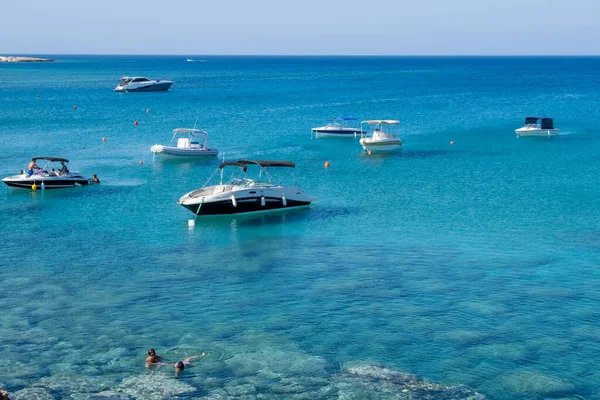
<point x="141" y="84"/>
<point x="339" y="127"/>
<point x="381" y="136"/>
<point x="51" y="176"/>
<point x="241" y="194"/>
<point x="538" y="126"/>
<point x="185" y="144"/>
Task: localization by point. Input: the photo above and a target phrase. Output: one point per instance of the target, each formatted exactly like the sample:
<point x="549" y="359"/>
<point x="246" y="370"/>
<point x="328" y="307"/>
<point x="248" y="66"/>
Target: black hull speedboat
<point x="244" y="195"/>
<point x="48" y="177"/>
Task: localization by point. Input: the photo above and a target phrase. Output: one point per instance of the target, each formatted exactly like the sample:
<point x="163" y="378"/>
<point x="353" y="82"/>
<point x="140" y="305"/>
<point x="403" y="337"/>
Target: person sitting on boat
<point x="32" y="166"/>
<point x="64" y="170"/>
<point x="95" y="179"/>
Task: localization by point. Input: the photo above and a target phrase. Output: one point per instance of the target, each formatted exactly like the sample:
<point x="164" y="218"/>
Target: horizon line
<point x="296" y="55"/>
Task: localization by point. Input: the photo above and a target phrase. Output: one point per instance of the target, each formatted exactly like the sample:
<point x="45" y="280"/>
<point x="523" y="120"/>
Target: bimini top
<point x="190" y="131"/>
<point x="263" y="163"/>
<point x="546" y="122"/>
<point x="233" y="164"/>
<point x="269" y="163"/>
<point x="381" y="121"/>
<point x="52" y="159"/>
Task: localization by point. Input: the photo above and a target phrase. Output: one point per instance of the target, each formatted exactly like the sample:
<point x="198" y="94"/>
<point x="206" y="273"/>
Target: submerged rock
<point x="32" y="394"/>
<point x="536" y="383"/>
<point x="154" y="387"/>
<point x="375" y="382"/>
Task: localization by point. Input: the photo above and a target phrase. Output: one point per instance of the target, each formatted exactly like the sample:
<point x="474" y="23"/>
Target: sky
<point x="301" y="27"/>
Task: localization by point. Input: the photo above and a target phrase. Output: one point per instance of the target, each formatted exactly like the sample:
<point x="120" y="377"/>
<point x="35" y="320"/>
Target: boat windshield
<point x="124" y="81"/>
<point x="141" y="80"/>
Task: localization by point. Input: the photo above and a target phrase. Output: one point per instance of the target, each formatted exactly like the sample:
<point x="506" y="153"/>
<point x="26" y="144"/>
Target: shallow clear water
<point x="474" y="263"/>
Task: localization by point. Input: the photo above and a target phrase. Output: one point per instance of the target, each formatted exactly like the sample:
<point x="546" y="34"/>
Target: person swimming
<point x="96" y="180"/>
<point x="180" y="365"/>
<point x="152" y="358"/>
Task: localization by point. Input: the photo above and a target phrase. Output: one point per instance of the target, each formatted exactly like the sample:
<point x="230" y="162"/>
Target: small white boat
<point x="538" y="126"/>
<point x="241" y="194"/>
<point x="141" y="84"/>
<point x="381" y="136"/>
<point x="339" y="127"/>
<point x="47" y="177"/>
<point x="186" y="145"/>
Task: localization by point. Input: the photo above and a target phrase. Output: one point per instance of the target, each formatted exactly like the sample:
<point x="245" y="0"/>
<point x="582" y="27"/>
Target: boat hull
<point x="339" y="132"/>
<point x="247" y="205"/>
<point x="156" y="87"/>
<point x="51" y="183"/>
<point x="178" y="153"/>
<point x="537" y="132"/>
<point x="225" y="200"/>
<point x="381" y="146"/>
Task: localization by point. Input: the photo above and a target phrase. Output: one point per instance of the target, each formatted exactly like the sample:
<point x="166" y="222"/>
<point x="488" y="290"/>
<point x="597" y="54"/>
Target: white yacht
<point x="185" y="144"/>
<point x="339" y="127"/>
<point x="51" y="176"/>
<point x="242" y="194"/>
<point x="141" y="84"/>
<point x="538" y="126"/>
<point x="381" y="136"/>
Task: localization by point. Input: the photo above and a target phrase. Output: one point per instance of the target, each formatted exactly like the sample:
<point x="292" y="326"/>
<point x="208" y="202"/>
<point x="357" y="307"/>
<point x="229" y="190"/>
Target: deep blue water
<point x="474" y="263"/>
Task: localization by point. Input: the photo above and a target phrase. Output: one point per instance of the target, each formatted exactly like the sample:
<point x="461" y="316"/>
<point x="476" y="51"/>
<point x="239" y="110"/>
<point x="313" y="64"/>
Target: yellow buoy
<point x="34" y="187"/>
<point x="326" y="164"/>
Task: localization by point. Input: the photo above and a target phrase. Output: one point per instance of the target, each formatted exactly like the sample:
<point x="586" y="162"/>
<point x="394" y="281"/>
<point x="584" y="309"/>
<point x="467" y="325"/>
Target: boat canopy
<point x="382" y="122"/>
<point x="268" y="163"/>
<point x="52" y="159"/>
<point x="233" y="164"/>
<point x="189" y="130"/>
<point x="546" y="122"/>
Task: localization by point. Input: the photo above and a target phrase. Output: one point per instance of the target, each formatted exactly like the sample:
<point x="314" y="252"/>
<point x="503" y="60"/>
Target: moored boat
<point x="141" y="84"/>
<point x="47" y="177"/>
<point x="381" y="136"/>
<point x="538" y="126"/>
<point x="339" y="127"/>
<point x="242" y="194"/>
<point x="186" y="145"/>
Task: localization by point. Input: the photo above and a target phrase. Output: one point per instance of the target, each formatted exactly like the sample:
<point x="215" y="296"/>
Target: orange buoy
<point x="451" y="143"/>
<point x="104" y="139"/>
<point x="74" y="107"/>
<point x="326" y="164"/>
<point x="135" y="123"/>
<point x="141" y="162"/>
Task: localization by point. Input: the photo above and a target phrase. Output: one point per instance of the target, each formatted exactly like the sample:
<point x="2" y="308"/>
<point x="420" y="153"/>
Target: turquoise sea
<point x="472" y="264"/>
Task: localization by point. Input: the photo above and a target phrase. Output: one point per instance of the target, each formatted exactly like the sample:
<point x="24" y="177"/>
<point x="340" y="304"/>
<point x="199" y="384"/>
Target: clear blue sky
<point x="274" y="27"/>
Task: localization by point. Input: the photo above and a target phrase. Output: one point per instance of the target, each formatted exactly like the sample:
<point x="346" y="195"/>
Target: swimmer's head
<point x="151" y="352"/>
<point x="179" y="366"/>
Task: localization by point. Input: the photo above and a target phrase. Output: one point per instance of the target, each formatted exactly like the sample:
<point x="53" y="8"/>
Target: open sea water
<point x="471" y="264"/>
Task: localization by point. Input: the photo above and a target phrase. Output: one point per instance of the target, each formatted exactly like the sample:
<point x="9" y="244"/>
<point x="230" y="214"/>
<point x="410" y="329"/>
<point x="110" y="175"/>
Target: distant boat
<point x="192" y="60"/>
<point x="382" y="136"/>
<point x="339" y="127"/>
<point x="538" y="126"/>
<point x="187" y="145"/>
<point x="141" y="84"/>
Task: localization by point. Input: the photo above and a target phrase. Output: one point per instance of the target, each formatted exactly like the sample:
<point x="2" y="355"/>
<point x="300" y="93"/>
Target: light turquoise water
<point x="473" y="264"/>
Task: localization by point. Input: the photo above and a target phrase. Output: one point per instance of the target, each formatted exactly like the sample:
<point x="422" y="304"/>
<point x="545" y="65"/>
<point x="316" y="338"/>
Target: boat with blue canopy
<point x="343" y="126"/>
